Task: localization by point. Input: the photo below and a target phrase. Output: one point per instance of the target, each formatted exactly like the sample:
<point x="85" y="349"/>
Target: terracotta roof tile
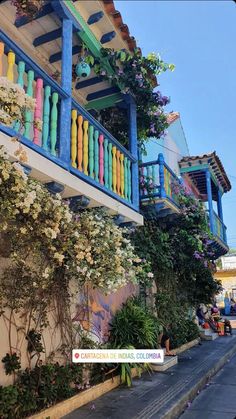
<point x="216" y="166"/>
<point x="172" y="117"/>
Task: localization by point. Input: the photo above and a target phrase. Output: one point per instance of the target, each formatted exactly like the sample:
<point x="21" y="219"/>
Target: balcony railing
<point x="157" y="180"/>
<point x="219" y="229"/>
<point x="93" y="153"/>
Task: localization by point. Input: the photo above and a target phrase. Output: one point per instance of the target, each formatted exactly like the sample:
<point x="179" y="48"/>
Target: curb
<point x="178" y="408"/>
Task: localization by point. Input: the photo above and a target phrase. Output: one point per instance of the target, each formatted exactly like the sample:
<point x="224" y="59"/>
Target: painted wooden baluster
<point x="38" y="109"/>
<point x="154" y="178"/>
<point x="122" y="179"/>
<point x="20" y="81"/>
<point x="46" y="116"/>
<point x="1" y="57"/>
<point x="28" y="114"/>
<point x="80" y="142"/>
<point x="53" y="125"/>
<point x="129" y="180"/>
<point x="110" y="166"/>
<point x="85" y="148"/>
<point x="96" y="155"/>
<point x="11" y="57"/>
<point x="125" y="178"/>
<point x="73" y="138"/>
<point x="114" y="177"/>
<point x="91" y="151"/>
<point x="106" y="169"/>
<point x="149" y="179"/>
<point x="101" y="159"/>
<point x="118" y="171"/>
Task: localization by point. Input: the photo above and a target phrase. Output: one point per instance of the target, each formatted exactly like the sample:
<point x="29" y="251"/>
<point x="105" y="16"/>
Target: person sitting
<point x="205" y="322"/>
<point x="164" y="341"/>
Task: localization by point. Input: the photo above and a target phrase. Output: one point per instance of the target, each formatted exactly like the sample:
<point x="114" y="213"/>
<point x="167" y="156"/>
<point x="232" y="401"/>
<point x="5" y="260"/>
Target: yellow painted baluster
<point x="114" y="168"/>
<point x="1" y="57"/>
<point x="85" y="148"/>
<point x="73" y="138"/>
<point x="11" y="61"/>
<point x="118" y="171"/>
<point x="122" y="175"/>
<point x="80" y="142"/>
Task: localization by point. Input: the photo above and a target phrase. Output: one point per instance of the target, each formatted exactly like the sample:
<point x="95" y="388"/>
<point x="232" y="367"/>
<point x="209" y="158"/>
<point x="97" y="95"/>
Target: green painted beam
<point x="90" y="40"/>
<point x="104" y="102"/>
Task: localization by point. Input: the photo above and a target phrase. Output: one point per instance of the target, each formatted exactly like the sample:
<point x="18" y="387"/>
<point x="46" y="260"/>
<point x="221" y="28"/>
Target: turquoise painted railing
<point x="97" y="154"/>
<point x="157" y="180"/>
<point x="94" y="154"/>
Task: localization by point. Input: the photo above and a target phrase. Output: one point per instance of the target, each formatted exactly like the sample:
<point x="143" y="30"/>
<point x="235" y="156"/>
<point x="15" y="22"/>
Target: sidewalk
<point x="218" y="400"/>
<point x="163" y="395"/>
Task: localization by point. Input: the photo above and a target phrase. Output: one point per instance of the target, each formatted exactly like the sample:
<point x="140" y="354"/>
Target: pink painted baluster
<point x="38" y="109"/>
<point x="101" y="159"/>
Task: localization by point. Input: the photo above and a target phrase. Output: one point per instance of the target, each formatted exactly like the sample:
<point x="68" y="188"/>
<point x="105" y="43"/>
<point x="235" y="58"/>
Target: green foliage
<point x="133" y="325"/>
<point x="134" y="74"/>
<point x="39" y="388"/>
<point x="11" y="363"/>
<point x="34" y="341"/>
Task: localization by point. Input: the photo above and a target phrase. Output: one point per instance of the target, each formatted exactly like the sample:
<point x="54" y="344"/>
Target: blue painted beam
<point x="78" y="202"/>
<point x="54" y="187"/>
<point x="161" y="175"/>
<point x="58" y="55"/>
<point x="133" y="147"/>
<point x="66" y="84"/>
<point x="102" y="93"/>
<point x="23" y="20"/>
<point x="209" y="196"/>
<point x="107" y="37"/>
<point x="47" y="37"/>
<point x="89" y="82"/>
<point x="95" y="17"/>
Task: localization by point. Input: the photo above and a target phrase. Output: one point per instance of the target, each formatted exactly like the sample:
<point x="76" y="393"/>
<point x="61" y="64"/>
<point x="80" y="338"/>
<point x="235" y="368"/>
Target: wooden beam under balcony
<point x="47" y="37"/>
<point x="89" y="82"/>
<point x="102" y="93"/>
<point x="23" y="20"/>
<point x="95" y="17"/>
<point x="107" y="37"/>
<point x="57" y="56"/>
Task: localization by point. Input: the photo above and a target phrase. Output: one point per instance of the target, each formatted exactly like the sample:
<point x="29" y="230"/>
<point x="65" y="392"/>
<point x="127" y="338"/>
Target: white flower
<point x="150" y="275"/>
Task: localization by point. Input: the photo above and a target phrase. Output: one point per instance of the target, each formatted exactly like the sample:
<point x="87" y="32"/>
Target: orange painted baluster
<point x="73" y="138"/>
<point x="1" y="57"/>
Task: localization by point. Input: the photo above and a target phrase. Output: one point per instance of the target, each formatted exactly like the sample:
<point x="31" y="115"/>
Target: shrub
<point x="133" y="325"/>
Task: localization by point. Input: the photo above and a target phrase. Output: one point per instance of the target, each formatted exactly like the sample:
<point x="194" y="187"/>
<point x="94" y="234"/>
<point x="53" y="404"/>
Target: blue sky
<point x="199" y="38"/>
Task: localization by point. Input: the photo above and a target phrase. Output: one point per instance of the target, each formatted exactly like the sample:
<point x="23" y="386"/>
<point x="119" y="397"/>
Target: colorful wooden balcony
<point x="157" y="187"/>
<point x="70" y="138"/>
<point x="218" y="230"/>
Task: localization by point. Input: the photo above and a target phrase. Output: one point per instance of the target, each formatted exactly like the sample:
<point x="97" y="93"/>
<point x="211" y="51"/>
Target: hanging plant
<point x="28" y="8"/>
<point x="135" y="75"/>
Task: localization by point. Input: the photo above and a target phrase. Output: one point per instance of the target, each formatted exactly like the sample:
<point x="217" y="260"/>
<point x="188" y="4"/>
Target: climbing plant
<point x="135" y="74"/>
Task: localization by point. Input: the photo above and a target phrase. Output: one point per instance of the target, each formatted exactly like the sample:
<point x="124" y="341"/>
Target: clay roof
<point x="172" y="117"/>
<point x="119" y="24"/>
<point x="216" y="166"/>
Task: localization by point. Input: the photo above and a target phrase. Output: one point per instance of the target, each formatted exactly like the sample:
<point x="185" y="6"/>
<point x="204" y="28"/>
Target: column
<point x="161" y="175"/>
<point x="209" y="197"/>
<point x="220" y="214"/>
<point x="133" y="146"/>
<point x="66" y="84"/>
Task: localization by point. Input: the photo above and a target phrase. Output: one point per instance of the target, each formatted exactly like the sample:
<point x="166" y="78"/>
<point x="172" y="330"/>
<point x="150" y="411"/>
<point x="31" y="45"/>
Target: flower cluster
<point x="136" y="75"/>
<point x="14" y="102"/>
<point x="27" y="7"/>
<point x="88" y="247"/>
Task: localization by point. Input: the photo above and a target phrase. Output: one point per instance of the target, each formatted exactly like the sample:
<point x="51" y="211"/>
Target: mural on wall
<point x="94" y="309"/>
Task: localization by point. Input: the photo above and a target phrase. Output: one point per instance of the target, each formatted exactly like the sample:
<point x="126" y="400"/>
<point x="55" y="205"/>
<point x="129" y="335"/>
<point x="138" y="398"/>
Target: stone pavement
<point x="218" y="400"/>
<point x="166" y="395"/>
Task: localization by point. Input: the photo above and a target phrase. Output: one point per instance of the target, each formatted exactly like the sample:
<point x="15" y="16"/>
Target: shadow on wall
<point x="95" y="310"/>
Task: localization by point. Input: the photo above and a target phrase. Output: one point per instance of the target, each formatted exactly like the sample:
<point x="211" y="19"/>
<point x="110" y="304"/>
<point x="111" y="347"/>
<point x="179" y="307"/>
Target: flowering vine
<point x="135" y="74"/>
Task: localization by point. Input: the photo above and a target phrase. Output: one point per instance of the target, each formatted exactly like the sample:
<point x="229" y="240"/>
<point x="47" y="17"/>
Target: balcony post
<point x="161" y="175"/>
<point x="220" y="214"/>
<point x="133" y="147"/>
<point x="209" y="197"/>
<point x="66" y="84"/>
